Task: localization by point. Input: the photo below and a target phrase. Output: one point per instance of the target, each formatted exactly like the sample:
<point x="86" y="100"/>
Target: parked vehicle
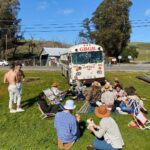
<point x="4" y="63"/>
<point x="84" y="62"/>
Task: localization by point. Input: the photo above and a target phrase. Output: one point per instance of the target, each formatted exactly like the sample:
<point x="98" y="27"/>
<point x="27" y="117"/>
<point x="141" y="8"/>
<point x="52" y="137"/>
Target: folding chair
<point x="52" y="98"/>
<point x="49" y="94"/>
<point x="44" y="115"/>
<point x="140" y="119"/>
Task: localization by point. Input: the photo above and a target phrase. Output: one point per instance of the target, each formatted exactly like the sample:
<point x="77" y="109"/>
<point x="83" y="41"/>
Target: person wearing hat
<point x="67" y="126"/>
<point x="108" y="97"/>
<point x="108" y="136"/>
<point x="59" y="95"/>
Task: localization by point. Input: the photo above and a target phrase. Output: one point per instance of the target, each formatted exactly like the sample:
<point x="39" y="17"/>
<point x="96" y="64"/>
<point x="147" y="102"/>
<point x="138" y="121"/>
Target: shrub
<point x="129" y="51"/>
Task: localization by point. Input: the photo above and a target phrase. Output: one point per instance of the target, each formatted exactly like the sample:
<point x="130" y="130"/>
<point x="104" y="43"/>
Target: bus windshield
<point x="87" y="57"/>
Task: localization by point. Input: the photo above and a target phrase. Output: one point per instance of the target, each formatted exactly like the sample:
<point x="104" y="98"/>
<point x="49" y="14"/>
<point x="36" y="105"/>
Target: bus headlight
<point x="78" y="73"/>
<point x="99" y="72"/>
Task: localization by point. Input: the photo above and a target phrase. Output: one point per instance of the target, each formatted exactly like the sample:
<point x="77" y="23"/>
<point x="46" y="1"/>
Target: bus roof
<point x="84" y="48"/>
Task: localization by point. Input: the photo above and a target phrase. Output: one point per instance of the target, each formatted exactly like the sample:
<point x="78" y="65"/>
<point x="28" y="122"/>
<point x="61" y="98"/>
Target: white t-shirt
<point x="108" y="97"/>
<point x="56" y="91"/>
<point x="49" y="94"/>
<point x="108" y="129"/>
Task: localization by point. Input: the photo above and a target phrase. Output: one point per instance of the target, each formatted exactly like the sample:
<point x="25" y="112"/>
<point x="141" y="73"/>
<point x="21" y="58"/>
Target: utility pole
<point x="5" y="55"/>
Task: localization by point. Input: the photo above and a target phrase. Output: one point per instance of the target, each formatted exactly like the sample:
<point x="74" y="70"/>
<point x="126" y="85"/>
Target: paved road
<point x="122" y="67"/>
<point x="129" y="67"/>
<point x="37" y="68"/>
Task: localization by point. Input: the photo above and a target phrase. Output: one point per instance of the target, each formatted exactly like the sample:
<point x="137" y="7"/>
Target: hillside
<point x="143" y="49"/>
<point x="26" y="49"/>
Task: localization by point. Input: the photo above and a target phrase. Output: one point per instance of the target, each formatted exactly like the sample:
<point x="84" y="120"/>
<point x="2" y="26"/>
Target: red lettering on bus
<point x="87" y="49"/>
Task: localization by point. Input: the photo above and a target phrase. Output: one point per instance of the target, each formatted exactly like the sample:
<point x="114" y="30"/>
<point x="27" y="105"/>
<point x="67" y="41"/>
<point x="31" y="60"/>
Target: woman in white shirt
<point x="108" y="136"/>
<point x="59" y="95"/>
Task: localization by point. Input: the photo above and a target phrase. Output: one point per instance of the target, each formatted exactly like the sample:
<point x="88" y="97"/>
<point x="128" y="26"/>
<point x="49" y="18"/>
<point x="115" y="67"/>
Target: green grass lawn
<point x="26" y="131"/>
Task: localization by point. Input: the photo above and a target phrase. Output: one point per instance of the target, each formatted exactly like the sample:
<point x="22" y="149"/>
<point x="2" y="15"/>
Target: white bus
<point x="84" y="62"/>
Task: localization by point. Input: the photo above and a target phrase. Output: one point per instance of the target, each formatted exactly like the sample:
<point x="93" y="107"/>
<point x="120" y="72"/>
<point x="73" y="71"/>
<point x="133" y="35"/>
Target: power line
<point x="69" y="27"/>
<point x="54" y="31"/>
<point x="64" y="27"/>
<point x="72" y="23"/>
<point x="72" y="30"/>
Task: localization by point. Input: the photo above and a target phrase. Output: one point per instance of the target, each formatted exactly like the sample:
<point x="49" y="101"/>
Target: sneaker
<point x="144" y="111"/>
<point x="122" y="112"/>
<point x="19" y="110"/>
<point x="90" y="147"/>
<point x="12" y="111"/>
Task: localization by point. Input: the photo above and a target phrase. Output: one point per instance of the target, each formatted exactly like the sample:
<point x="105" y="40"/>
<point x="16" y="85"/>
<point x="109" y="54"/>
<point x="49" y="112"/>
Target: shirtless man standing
<point x="20" y="77"/>
<point x="11" y="78"/>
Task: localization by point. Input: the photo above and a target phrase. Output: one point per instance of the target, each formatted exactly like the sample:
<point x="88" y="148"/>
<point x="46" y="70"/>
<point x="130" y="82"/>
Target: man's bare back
<point x="10" y="77"/>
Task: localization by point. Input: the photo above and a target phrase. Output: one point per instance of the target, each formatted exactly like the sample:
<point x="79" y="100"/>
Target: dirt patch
<point x="32" y="79"/>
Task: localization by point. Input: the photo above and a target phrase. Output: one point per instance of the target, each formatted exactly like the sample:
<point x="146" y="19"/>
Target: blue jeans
<point x="91" y="107"/>
<point x="125" y="108"/>
<point x="63" y="96"/>
<point x="99" y="144"/>
<point x="60" y="106"/>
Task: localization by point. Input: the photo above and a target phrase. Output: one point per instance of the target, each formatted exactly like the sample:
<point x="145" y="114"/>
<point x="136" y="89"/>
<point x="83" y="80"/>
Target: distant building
<point x="50" y="56"/>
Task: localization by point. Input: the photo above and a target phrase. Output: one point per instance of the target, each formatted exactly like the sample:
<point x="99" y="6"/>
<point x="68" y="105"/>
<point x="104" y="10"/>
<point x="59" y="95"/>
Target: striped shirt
<point x="66" y="127"/>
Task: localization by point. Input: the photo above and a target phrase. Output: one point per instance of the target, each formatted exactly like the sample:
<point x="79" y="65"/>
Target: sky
<point x="60" y="20"/>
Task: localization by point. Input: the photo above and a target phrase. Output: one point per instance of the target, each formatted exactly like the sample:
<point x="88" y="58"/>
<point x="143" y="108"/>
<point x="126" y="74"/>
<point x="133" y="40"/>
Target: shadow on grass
<point x="82" y="127"/>
<point x="30" y="102"/>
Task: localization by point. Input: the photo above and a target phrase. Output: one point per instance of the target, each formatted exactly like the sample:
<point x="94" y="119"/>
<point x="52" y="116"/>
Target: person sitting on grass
<point x="107" y="133"/>
<point x="131" y="94"/>
<point x="116" y="83"/>
<point x="93" y="96"/>
<point x="67" y="126"/>
<point x="45" y="107"/>
<point x="132" y="101"/>
<point x="108" y="97"/>
<point x="126" y="106"/>
<point x="79" y="90"/>
<point x="59" y="95"/>
<point x="119" y="94"/>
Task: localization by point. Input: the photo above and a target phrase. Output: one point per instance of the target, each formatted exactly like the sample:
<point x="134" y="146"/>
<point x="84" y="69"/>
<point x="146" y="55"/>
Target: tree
<point x="129" y="51"/>
<point x="112" y="26"/>
<point x="87" y="35"/>
<point x="32" y="45"/>
<point x="9" y="24"/>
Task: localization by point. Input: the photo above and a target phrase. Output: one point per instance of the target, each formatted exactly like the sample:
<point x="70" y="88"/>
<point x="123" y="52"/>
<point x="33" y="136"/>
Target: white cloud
<point x="66" y="11"/>
<point x="43" y="5"/>
<point x="147" y="12"/>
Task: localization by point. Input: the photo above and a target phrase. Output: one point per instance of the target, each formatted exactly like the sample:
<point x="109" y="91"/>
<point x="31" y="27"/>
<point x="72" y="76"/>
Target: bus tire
<point x="62" y="72"/>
